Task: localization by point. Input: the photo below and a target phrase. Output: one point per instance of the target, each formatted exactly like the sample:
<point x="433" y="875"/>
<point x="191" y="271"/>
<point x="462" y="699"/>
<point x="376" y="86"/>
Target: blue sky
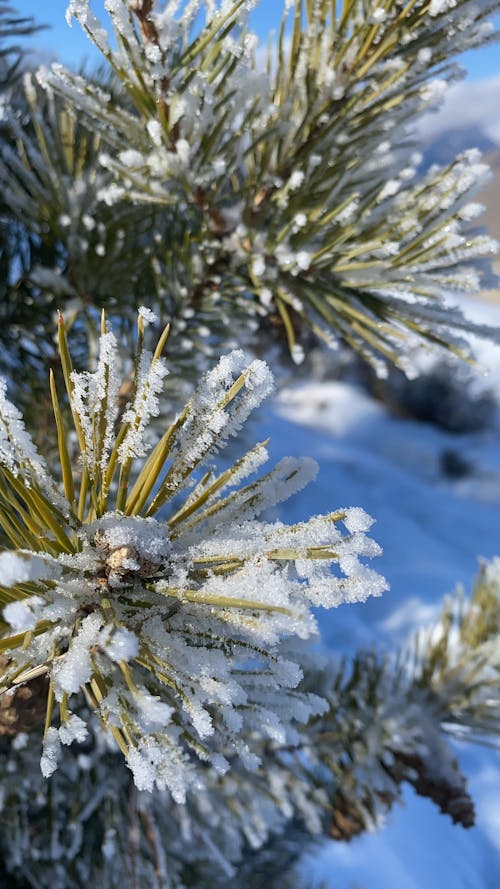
<point x="71" y="45"/>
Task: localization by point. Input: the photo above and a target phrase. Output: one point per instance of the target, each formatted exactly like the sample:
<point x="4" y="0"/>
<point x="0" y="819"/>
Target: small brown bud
<point x="118" y="558"/>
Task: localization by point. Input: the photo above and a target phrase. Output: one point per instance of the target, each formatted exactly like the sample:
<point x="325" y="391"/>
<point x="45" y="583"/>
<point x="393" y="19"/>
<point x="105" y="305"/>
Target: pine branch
<point x="389" y="719"/>
<point x="297" y="190"/>
<point x="147" y="582"/>
<point x="387" y="724"/>
<point x="75" y="247"/>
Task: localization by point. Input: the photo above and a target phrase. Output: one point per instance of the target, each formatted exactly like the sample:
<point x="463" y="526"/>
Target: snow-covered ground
<point x="433" y="529"/>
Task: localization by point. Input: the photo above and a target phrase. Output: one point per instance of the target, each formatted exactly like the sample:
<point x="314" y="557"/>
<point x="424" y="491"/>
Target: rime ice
<point x="167" y="599"/>
<point x="327" y="216"/>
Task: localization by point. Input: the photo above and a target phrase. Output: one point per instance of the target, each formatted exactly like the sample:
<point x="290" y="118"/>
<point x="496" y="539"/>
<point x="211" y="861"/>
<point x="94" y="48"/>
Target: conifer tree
<point x="163" y="722"/>
<point x="250" y="194"/>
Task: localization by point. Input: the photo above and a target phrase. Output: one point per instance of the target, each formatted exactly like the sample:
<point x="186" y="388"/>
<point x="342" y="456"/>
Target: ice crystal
<point x="313" y="154"/>
<point x="159" y="591"/>
<point x="381" y="722"/>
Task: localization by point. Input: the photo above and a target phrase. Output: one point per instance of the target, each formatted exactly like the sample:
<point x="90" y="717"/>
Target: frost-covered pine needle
<point x="291" y="190"/>
<point x="154" y="586"/>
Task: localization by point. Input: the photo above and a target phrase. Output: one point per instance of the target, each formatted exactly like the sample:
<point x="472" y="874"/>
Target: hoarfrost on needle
<point x="164" y="596"/>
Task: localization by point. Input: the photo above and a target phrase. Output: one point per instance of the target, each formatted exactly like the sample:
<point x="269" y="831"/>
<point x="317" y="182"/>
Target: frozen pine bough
<point x="281" y="194"/>
<point x="292" y="181"/>
<point x="385" y="722"/>
<point x="145" y="586"/>
<point x="149" y="614"/>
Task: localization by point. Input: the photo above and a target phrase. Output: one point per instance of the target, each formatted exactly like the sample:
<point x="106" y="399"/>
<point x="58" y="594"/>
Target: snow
<point x="20" y="567"/>
<point x="94" y="393"/>
<point x="17" y="450"/>
<point x="51" y="752"/>
<point x="149" y="384"/>
<point x="147" y="315"/>
<point x="20" y="616"/>
<point x="73" y="729"/>
<point x="432" y="530"/>
<point x="124" y="645"/>
<point x="76" y="668"/>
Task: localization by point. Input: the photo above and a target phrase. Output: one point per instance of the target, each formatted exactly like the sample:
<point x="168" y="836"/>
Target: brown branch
<point x="142" y="9"/>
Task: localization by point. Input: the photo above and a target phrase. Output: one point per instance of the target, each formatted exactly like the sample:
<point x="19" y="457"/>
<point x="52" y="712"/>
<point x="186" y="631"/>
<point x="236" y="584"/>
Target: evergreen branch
<point x="386" y="724"/>
<point x="310" y="203"/>
<point x="108" y="603"/>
